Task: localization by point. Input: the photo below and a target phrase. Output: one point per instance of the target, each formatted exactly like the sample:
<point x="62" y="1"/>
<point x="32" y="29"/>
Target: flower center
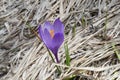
<point x="52" y="33"/>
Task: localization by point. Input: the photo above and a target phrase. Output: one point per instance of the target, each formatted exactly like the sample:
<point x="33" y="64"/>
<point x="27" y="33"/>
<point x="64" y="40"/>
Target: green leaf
<point x="67" y="62"/>
<point x="116" y="50"/>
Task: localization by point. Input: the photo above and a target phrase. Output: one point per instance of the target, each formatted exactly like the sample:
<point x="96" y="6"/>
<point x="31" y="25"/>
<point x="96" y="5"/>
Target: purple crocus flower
<point x="52" y="35"/>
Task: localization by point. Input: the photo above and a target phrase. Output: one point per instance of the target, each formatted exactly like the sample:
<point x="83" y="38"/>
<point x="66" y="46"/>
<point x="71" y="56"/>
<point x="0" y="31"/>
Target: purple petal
<point x="40" y="31"/>
<point x="57" y="41"/>
<point x="48" y="25"/>
<point x="58" y="26"/>
<point x="47" y="38"/>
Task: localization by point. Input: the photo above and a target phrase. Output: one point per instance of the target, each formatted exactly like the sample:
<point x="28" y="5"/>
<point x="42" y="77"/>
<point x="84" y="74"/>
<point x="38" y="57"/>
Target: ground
<point x="92" y="32"/>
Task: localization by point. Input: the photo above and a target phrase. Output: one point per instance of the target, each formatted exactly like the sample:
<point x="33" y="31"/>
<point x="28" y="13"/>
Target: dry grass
<point x="23" y="57"/>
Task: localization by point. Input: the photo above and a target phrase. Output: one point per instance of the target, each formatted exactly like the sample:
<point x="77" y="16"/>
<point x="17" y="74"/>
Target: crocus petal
<point x="57" y="41"/>
<point x="48" y="26"/>
<point x="47" y="38"/>
<point x="40" y="32"/>
<point x="58" y="26"/>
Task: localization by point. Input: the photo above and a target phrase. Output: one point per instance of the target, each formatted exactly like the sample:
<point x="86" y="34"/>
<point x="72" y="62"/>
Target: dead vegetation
<point x="92" y="30"/>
